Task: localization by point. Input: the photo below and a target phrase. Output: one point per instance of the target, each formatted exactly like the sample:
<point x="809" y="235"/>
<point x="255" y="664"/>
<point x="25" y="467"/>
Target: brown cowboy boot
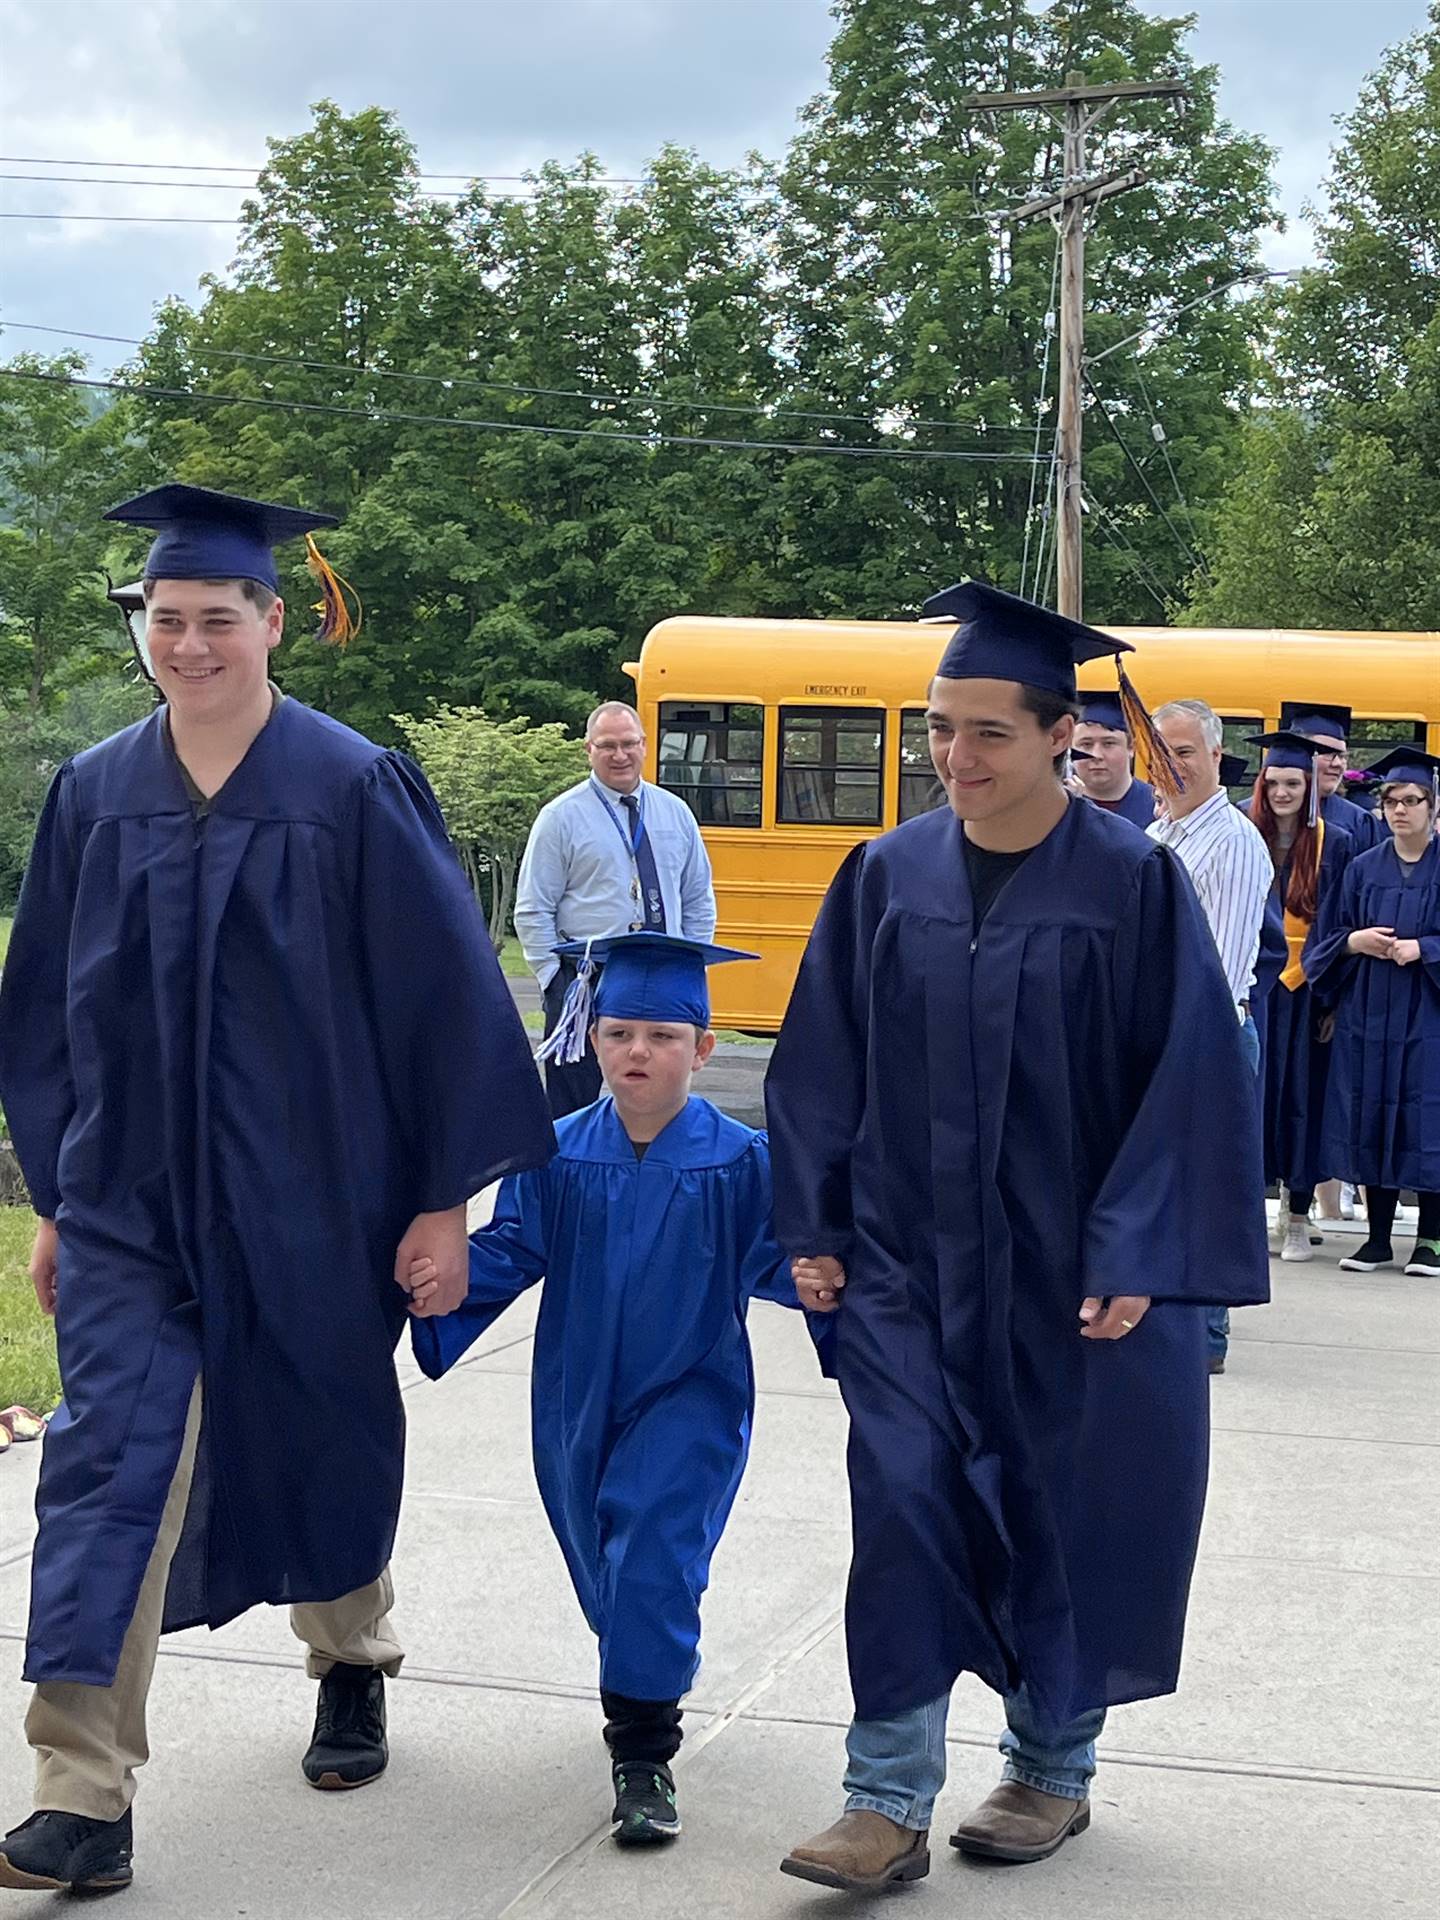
<point x="1020" y="1823"/>
<point x="862" y="1852"/>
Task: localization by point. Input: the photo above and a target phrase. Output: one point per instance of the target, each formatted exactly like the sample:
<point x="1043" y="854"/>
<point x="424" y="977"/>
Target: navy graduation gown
<point x="228" y="1056"/>
<point x="642" y="1388"/>
<point x="1138" y="806"/>
<point x="1382" y="1116"/>
<point x="988" y="1127"/>
<point x="1297" y="1060"/>
<point x="1365" y="829"/>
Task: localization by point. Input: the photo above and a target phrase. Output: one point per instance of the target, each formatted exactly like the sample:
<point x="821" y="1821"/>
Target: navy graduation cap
<point x="643" y="976"/>
<point x="1103" y="710"/>
<point x="1407" y="762"/>
<point x="204" y="535"/>
<point x="1314" y="720"/>
<point x="1233" y="769"/>
<point x="1290" y="749"/>
<point x="999" y="636"/>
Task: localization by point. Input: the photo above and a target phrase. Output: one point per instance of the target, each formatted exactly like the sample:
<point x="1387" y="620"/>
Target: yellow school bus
<point x="793" y="739"/>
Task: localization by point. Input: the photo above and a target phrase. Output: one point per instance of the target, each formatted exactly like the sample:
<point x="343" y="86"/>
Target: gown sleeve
<point x="765" y="1270"/>
<point x="1180" y="1213"/>
<point x="1329" y="965"/>
<point x="507" y="1257"/>
<point x="815" y="1086"/>
<point x="461" y="1079"/>
<point x="36" y="1090"/>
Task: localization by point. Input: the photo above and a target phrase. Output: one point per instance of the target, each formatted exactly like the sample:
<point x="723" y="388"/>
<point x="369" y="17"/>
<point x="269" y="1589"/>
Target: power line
<point x="196" y="166"/>
<point x="380" y="416"/>
<point x="1158" y="435"/>
<point x="1250" y="277"/>
<point x="698" y="402"/>
<point x="1140" y="473"/>
<point x="1122" y="543"/>
<point x="129" y="219"/>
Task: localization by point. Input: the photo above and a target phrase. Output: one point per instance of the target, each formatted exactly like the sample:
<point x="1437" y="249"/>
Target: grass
<point x="5" y="925"/>
<point x="513" y="961"/>
<point x="29" y="1376"/>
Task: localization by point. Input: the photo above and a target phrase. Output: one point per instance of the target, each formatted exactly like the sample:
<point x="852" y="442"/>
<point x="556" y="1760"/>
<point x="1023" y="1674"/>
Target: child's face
<point x="647" y="1064"/>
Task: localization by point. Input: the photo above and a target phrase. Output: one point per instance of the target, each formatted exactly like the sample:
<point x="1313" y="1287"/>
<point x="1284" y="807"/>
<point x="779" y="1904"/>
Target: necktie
<point x="652" y="906"/>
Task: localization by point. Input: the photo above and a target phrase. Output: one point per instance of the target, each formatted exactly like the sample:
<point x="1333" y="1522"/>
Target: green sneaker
<point x="644" y="1813"/>
<point x="1425" y="1260"/>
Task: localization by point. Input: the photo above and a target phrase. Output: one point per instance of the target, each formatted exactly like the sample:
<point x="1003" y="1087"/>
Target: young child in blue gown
<point x="651" y="1230"/>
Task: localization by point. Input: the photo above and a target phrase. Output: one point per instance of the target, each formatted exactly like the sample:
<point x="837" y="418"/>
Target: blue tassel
<point x="566" y="1045"/>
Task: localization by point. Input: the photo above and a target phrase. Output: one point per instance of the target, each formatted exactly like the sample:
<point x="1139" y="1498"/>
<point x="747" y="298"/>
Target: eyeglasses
<point x="616" y="746"/>
<point x="1406" y="800"/>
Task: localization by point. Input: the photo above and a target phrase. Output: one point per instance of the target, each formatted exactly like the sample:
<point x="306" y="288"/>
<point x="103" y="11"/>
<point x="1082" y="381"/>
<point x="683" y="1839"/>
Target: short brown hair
<point x="260" y="597"/>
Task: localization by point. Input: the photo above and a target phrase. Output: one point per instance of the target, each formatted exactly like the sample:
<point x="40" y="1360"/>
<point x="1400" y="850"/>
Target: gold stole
<point x="1297" y="931"/>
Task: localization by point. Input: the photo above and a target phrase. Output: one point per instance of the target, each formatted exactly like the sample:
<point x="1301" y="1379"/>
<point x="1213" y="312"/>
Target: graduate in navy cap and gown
<point x="651" y="1230"/>
<point x="1329" y="728"/>
<point x="1107" y="773"/>
<point x="1310" y="856"/>
<point x="997" y="1098"/>
<point x="1270" y="961"/>
<point x="244" y="965"/>
<point x="1377" y="961"/>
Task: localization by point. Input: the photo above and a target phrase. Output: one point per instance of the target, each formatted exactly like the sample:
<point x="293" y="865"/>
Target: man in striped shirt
<point x="1222" y="851"/>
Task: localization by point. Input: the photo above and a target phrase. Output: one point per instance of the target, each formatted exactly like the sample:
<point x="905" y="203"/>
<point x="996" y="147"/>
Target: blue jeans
<point x="897" y="1766"/>
<point x="1217" y="1319"/>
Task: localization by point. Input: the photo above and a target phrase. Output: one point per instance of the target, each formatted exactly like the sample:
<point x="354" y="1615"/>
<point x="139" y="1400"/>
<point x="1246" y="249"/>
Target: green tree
<point x="62" y="462"/>
<point x="911" y="302"/>
<point x="1333" y="518"/>
<point x="491" y="779"/>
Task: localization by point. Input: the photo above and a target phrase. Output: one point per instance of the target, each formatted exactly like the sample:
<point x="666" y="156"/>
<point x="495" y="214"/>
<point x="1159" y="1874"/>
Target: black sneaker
<point x="1425" y="1259"/>
<point x="65" y="1852"/>
<point x="1371" y="1257"/>
<point x="1216" y="1363"/>
<point x="348" y="1748"/>
<point x="644" y="1813"/>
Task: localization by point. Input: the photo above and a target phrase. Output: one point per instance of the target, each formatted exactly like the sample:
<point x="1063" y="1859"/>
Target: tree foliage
<point x="1333" y="518"/>
<point x="491" y="779"/>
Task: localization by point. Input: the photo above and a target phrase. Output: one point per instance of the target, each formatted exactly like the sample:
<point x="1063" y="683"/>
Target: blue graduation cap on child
<point x="1103" y="710"/>
<point x="204" y="535"/>
<point x="643" y="976"/>
<point x="999" y="636"/>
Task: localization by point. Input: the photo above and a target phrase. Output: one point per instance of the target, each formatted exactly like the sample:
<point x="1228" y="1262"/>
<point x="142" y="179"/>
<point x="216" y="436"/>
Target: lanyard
<point x="632" y="847"/>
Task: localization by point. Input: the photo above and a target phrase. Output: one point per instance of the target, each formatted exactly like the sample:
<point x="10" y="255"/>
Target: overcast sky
<point x="491" y="86"/>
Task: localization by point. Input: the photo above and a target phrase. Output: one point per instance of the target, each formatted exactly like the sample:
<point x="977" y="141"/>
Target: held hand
<point x="818" y="1281"/>
<point x="1375" y="942"/>
<point x="1405" y="952"/>
<point x="435" y="1243"/>
<point x="1112" y="1319"/>
<point x="43" y="1262"/>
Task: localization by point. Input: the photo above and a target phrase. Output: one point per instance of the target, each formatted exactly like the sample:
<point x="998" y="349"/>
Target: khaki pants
<point x="89" y="1741"/>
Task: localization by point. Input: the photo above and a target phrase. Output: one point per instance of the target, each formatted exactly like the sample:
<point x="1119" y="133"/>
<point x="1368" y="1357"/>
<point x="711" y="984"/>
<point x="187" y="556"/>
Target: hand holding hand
<point x="1112" y="1319"/>
<point x="1375" y="942"/>
<point x="818" y="1281"/>
<point x="1405" y="952"/>
<point x="432" y="1263"/>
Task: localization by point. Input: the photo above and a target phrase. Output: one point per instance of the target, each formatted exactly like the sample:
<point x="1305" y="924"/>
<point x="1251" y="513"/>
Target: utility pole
<point x="1081" y="107"/>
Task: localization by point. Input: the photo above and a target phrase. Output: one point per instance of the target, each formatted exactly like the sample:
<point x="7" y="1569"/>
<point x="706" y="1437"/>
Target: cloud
<point x="491" y="86"/>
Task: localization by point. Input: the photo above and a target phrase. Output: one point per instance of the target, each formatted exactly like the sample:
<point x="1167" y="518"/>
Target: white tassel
<point x="566" y="1045"/>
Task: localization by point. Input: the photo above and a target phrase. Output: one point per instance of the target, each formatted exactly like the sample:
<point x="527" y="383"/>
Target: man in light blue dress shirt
<point x="613" y="855"/>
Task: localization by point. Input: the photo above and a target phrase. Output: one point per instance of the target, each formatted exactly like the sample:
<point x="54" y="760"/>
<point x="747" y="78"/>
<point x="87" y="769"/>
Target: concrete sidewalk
<point x="1296" y="1774"/>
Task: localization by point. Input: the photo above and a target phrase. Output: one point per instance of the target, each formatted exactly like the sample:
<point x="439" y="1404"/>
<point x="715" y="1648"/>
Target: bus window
<point x="919" y="789"/>
<point x="1370" y="738"/>
<point x="1236" y="736"/>
<point x="711" y="757"/>
<point x="830" y="765"/>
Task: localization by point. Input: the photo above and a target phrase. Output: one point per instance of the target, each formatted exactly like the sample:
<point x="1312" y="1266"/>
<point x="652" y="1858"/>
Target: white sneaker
<point x="1297" y="1242"/>
<point x="1347" y="1201"/>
